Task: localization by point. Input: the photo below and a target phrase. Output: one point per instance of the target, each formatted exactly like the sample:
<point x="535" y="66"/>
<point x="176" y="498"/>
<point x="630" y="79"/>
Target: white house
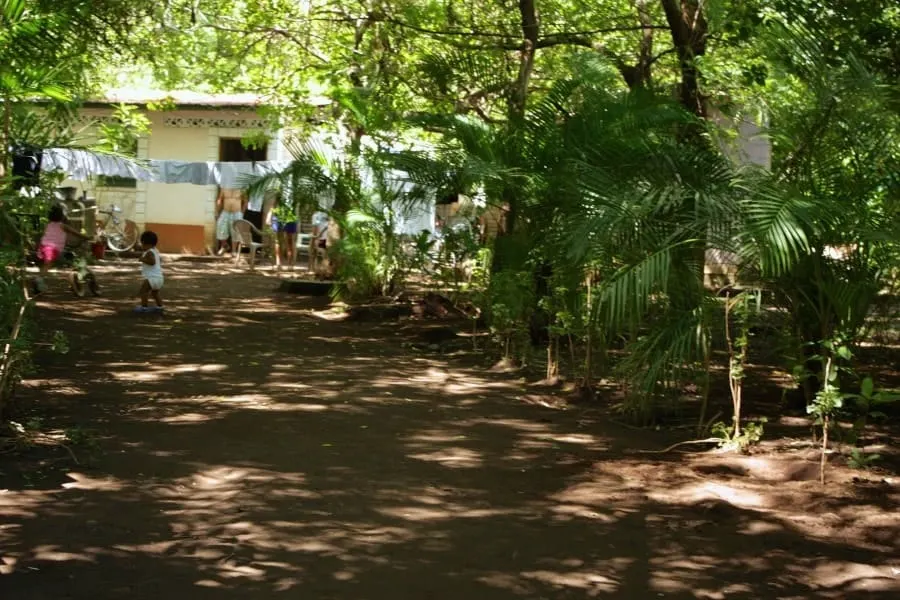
<point x="200" y="128"/>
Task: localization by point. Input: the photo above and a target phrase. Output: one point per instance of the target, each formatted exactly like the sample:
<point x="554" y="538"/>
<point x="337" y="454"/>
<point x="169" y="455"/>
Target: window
<point x="232" y="150"/>
<point x="115" y="181"/>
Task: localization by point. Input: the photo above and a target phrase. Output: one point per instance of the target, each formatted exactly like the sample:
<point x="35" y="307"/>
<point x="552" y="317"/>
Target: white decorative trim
<point x="206" y="122"/>
<point x="209" y="228"/>
<point x="140" y="196"/>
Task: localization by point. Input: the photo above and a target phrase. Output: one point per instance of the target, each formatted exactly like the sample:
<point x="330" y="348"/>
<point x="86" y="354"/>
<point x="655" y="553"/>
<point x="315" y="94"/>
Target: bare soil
<point x="248" y="444"/>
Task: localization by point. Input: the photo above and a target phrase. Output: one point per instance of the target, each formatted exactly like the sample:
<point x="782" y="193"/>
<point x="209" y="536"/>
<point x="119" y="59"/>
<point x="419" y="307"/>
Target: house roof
<point x="189" y="98"/>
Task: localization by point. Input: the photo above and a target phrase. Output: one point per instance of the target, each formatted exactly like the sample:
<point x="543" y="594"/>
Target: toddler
<point x="151" y="273"/>
<point x="52" y="243"/>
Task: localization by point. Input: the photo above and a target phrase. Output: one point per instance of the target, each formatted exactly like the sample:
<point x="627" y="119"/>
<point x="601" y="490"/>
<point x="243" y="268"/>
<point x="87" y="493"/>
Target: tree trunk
<point x="530" y="32"/>
<point x="688" y="27"/>
<point x="5" y="158"/>
<point x="587" y="381"/>
<point x="552" y="359"/>
<point x="539" y="323"/>
<point x="517" y="104"/>
<point x="639" y="75"/>
<point x="518" y="98"/>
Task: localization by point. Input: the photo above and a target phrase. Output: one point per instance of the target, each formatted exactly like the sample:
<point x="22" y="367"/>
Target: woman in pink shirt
<point x="53" y="242"/>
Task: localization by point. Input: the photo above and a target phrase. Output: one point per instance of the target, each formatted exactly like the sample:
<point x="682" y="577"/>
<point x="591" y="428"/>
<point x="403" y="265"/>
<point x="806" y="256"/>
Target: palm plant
<point x="641" y="202"/>
<point x="44" y="51"/>
<point x="31" y="65"/>
<point x="367" y="204"/>
<point x="608" y="192"/>
<point x="373" y="256"/>
<point x="613" y="197"/>
<point x="838" y="151"/>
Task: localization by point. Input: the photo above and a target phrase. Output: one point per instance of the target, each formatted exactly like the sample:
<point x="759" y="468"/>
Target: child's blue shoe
<point x="148" y="309"/>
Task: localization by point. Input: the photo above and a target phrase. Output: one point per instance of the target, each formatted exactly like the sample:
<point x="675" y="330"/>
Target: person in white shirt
<point x="151" y="273"/>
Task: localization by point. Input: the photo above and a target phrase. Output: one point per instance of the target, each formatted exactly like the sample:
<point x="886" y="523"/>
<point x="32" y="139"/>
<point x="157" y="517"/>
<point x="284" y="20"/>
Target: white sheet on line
<point x="80" y="165"/>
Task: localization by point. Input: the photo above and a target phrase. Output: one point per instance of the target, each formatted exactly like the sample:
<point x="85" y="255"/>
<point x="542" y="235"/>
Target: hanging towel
<point x="179" y="171"/>
<point x="82" y="164"/>
<point x="235" y="175"/>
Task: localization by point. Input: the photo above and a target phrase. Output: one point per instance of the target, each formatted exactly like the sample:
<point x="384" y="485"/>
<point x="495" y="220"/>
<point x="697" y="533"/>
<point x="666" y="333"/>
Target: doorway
<point x="232" y="150"/>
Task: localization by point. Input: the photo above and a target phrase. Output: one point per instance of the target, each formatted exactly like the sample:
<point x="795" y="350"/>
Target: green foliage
<point x="457" y="258"/>
<point x="419" y="251"/>
<point x="78" y="436"/>
<point x="738" y="321"/>
<point x="614" y="191"/>
<point x="828" y="399"/>
<point x="60" y="343"/>
<point x="859" y="459"/>
<point x="121" y="133"/>
<point x="45" y="48"/>
<point x="510" y="301"/>
<point x="369" y="253"/>
<point x="749" y="434"/>
<point x="866" y="405"/>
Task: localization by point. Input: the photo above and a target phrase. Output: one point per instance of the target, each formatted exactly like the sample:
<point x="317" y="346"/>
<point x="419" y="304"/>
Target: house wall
<point x="182" y="215"/>
<point x="124" y="198"/>
<point x="176" y="211"/>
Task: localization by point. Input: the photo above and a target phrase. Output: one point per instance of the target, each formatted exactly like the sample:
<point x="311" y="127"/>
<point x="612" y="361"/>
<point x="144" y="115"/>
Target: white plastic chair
<point x="242" y="235"/>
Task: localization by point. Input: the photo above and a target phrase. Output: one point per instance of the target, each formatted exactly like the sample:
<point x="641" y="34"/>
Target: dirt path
<point x="240" y="448"/>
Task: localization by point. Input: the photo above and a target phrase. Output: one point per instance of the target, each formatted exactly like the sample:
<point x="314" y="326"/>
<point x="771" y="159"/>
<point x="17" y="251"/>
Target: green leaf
<point x="884" y="398"/>
<point x="867" y="388"/>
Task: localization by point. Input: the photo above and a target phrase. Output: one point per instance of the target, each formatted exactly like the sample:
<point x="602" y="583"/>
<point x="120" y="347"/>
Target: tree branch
<point x="375" y="17"/>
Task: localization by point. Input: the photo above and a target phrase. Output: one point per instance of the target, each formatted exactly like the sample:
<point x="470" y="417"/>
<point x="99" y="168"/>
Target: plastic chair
<point x="242" y="235"/>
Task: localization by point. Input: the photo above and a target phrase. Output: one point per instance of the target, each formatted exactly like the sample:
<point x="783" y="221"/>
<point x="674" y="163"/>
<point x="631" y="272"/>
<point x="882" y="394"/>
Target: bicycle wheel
<point x="92" y="284"/>
<point x="122" y="237"/>
<point x="77" y="284"/>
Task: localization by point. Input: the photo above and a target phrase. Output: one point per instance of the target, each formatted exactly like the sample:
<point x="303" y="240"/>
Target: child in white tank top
<point x="151" y="273"/>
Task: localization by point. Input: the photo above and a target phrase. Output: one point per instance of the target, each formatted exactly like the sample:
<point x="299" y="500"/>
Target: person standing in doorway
<point x="230" y="206"/>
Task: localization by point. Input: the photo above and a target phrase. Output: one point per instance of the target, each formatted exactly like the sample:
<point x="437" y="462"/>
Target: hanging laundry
<point x="80" y="165"/>
<point x="179" y="171"/>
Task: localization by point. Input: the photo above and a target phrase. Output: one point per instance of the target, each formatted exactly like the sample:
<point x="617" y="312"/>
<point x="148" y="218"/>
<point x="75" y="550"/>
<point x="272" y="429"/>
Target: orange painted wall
<point x="181" y="239"/>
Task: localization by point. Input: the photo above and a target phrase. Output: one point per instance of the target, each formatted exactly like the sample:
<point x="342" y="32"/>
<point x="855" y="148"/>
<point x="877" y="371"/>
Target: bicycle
<point x="81" y="278"/>
<point x="120" y="234"/>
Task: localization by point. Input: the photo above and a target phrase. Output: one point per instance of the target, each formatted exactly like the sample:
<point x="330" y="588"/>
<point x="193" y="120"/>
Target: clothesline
<point x="80" y="165"/>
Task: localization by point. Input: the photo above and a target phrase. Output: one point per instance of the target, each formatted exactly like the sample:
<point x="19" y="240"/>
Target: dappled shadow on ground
<point x="247" y="449"/>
